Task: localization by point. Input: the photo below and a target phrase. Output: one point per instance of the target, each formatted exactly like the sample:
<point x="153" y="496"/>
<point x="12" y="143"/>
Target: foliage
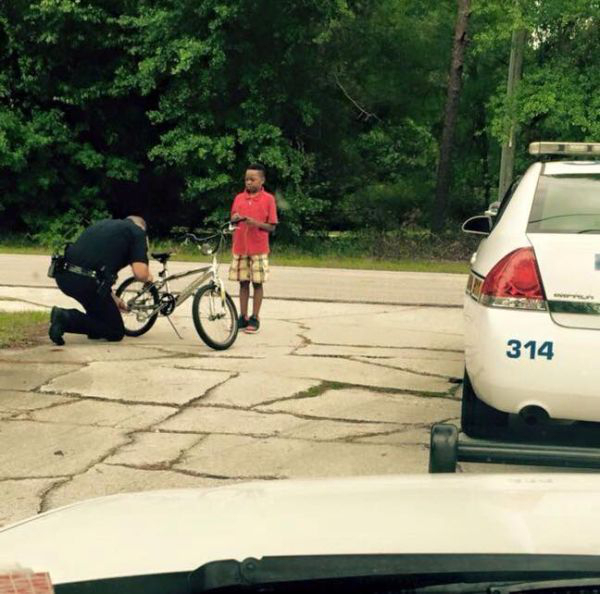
<point x="558" y="96"/>
<point x="156" y="108"/>
<point x="65" y="228"/>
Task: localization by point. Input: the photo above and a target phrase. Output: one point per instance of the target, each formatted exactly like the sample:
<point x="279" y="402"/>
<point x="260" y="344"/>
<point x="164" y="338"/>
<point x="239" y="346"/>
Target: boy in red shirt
<point x="257" y="213"/>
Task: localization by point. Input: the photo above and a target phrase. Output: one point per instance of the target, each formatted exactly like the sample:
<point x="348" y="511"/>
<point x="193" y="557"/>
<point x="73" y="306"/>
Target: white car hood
<point x="179" y="530"/>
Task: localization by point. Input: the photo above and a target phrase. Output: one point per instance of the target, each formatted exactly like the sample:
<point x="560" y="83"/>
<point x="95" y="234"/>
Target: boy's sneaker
<point x="242" y="322"/>
<point x="253" y="325"/>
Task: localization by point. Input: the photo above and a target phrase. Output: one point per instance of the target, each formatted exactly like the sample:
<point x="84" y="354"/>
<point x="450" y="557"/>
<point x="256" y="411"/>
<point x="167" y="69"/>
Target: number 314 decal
<point x="517" y="348"/>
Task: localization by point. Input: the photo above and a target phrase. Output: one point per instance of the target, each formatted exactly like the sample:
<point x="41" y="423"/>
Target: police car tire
<point x="478" y="419"/>
<point x="156" y="298"/>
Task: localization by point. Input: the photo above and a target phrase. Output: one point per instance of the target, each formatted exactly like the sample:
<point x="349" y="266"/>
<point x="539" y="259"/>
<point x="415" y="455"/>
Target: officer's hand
<point x="120" y="304"/>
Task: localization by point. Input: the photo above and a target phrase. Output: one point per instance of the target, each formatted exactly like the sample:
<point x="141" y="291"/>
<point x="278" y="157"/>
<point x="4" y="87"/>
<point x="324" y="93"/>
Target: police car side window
<point x="506" y="200"/>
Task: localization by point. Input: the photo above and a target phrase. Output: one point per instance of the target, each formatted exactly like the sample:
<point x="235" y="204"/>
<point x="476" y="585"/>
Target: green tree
<point x="65" y="133"/>
<point x="231" y="83"/>
<point x="126" y="106"/>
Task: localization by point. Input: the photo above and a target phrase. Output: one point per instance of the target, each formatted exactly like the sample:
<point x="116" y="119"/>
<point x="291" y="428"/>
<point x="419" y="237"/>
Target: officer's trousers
<point x="102" y="318"/>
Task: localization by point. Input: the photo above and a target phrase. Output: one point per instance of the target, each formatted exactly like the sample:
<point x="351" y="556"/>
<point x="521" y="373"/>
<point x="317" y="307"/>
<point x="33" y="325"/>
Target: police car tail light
<point x="515" y="282"/>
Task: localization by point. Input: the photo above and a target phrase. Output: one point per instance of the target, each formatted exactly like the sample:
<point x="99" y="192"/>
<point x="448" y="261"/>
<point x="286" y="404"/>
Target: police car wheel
<point x="478" y="419"/>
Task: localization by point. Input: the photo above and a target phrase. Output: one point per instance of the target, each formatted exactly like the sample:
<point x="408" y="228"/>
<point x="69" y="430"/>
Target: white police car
<point x="532" y="304"/>
<point x="421" y="534"/>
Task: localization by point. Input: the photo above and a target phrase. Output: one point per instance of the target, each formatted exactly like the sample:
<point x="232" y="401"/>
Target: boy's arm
<point x="265" y="226"/>
<point x="271" y="221"/>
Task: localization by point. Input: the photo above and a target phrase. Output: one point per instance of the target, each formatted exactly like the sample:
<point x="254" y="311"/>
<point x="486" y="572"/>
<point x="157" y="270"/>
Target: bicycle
<point x="214" y="313"/>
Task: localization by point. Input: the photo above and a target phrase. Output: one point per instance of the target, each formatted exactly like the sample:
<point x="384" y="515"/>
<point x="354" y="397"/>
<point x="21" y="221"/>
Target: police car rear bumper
<point x="520" y="358"/>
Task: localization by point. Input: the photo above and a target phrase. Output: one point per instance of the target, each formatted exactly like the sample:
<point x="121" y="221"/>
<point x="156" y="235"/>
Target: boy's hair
<point x="257" y="167"/>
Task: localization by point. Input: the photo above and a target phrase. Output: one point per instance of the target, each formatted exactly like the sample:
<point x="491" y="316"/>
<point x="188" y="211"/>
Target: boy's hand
<point x="236" y="217"/>
<point x="252" y="222"/>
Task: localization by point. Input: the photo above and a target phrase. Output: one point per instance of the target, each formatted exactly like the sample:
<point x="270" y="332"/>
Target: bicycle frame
<point x="207" y="272"/>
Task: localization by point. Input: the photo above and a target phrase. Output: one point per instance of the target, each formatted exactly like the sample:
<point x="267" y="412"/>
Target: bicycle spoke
<point x="216" y="317"/>
<point x="141" y="304"/>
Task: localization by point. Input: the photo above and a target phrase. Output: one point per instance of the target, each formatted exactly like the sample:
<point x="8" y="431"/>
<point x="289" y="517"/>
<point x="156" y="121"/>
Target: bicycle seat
<point x="162" y="257"/>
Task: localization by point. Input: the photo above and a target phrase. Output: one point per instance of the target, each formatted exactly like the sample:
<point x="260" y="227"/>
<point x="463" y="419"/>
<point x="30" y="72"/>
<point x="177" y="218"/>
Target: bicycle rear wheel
<point x="215" y="317"/>
<point x="141" y="302"/>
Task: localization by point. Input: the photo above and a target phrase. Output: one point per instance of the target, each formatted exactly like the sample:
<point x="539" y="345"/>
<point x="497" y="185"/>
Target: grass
<point x="14" y="248"/>
<point x="365" y="263"/>
<point x="23" y="328"/>
<point x="290" y="256"/>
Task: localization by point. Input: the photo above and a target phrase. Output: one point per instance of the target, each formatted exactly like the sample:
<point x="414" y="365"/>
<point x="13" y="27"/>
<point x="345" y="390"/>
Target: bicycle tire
<point x="229" y="310"/>
<point x="155" y="298"/>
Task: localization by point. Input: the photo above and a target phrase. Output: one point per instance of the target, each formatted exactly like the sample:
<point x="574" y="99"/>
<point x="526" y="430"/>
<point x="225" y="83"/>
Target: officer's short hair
<point x="139" y="221"/>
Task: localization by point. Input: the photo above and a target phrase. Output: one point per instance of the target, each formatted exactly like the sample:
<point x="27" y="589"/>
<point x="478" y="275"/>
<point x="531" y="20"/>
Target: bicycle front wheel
<point x="215" y="317"/>
<point x="141" y="303"/>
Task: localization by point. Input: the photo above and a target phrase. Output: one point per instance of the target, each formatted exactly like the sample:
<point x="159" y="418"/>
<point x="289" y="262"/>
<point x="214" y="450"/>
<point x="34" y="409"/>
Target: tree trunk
<point x="515" y="67"/>
<point x="450" y="114"/>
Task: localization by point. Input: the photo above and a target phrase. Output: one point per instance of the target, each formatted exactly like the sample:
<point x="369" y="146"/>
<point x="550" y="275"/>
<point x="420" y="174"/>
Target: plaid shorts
<point x="249" y="268"/>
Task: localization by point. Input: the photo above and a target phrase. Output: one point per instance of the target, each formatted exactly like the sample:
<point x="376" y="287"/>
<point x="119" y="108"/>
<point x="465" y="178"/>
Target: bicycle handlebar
<point x="224" y="229"/>
<point x="188" y="236"/>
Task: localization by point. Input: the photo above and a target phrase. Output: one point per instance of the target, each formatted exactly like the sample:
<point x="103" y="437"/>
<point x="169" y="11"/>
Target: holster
<point x="57" y="264"/>
<point x="105" y="282"/>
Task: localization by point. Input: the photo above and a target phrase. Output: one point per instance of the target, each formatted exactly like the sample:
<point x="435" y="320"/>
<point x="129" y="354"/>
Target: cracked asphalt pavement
<point x="327" y="388"/>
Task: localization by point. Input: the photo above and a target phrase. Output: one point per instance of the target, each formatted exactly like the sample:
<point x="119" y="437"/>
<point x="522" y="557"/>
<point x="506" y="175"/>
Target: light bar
<point x="564" y="148"/>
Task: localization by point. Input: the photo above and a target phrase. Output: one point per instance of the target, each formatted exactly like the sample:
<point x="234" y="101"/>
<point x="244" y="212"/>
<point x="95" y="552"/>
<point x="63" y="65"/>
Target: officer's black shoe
<point x="57" y="329"/>
<point x="95" y="337"/>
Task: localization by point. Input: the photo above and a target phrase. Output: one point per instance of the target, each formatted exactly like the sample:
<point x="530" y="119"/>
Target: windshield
<point x="566" y="204"/>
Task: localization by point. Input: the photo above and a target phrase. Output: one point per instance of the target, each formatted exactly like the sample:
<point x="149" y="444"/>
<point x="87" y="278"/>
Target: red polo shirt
<point x="249" y="240"/>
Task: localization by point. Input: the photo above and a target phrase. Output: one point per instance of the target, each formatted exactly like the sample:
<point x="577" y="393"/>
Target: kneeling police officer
<point x="88" y="271"/>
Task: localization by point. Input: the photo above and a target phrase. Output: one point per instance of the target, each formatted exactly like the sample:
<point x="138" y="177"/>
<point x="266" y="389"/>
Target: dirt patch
<point x="23" y="330"/>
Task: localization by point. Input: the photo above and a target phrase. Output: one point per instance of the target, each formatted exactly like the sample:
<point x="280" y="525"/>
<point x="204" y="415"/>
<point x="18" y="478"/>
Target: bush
<point x="422" y="244"/>
<point x="66" y="228"/>
<point x="383" y="206"/>
<point x="407" y="243"/>
<point x="297" y="214"/>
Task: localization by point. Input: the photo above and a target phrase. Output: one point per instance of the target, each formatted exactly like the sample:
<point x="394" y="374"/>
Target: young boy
<point x="257" y="213"/>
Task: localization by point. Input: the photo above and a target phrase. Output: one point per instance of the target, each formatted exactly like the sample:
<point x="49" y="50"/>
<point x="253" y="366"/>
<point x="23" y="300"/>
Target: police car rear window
<point x="566" y="204"/>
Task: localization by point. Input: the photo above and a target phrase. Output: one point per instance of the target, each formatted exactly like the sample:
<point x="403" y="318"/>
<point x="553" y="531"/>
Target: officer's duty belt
<point x="81" y="271"/>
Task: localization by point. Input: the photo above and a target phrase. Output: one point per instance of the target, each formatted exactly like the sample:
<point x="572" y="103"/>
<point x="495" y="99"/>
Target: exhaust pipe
<point x="534" y="416"/>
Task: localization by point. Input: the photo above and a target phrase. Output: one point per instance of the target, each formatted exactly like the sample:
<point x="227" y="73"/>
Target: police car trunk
<point x="564" y="230"/>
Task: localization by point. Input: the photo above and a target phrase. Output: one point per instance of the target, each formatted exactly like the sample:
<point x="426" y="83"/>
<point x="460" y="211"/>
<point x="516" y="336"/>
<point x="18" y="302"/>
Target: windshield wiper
<point x="566" y="586"/>
<point x="390" y="573"/>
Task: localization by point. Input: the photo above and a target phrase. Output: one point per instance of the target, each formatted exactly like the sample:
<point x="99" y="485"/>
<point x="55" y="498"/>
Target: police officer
<point x="89" y="270"/>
